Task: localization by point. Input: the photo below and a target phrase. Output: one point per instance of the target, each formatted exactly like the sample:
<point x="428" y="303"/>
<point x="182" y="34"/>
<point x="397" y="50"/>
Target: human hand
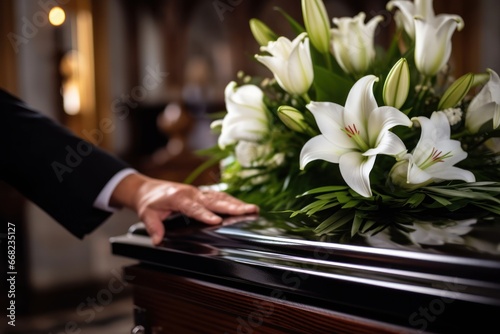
<point x="154" y="200"/>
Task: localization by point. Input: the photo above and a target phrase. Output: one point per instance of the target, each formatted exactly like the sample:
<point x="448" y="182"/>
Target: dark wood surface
<point x="177" y="304"/>
<point x="249" y="276"/>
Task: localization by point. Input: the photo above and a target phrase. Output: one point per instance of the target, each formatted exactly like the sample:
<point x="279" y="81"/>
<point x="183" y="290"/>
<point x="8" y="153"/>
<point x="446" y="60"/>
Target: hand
<point x="154" y="200"/>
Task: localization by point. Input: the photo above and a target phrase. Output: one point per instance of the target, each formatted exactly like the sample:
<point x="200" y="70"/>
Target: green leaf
<point x="351" y="204"/>
<point x="335" y="221"/>
<point x="328" y="196"/>
<point x="367" y="225"/>
<point x="314" y="205"/>
<point x="378" y="229"/>
<point x="415" y="199"/>
<point x="324" y="189"/>
<point x="441" y="200"/>
<point x="343" y="197"/>
<point x="204" y="166"/>
<point x="480" y="184"/>
<point x="488" y="189"/>
<point x="330" y="86"/>
<point x="463" y="194"/>
<point x="356" y="223"/>
<point x="491" y="208"/>
<point x="328" y="206"/>
<point x="297" y="28"/>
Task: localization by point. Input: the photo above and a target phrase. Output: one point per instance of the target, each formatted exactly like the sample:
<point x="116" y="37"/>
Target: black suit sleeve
<point x="55" y="169"/>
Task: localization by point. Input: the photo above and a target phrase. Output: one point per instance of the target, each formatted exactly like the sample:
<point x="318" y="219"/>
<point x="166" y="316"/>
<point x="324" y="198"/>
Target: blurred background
<point x="141" y="80"/>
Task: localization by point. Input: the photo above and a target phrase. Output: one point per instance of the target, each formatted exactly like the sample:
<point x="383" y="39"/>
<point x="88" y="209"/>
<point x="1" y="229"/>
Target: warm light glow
<point x="71" y="99"/>
<point x="57" y="16"/>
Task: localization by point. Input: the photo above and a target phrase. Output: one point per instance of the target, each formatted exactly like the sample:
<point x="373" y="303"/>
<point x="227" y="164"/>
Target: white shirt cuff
<point x="102" y="200"/>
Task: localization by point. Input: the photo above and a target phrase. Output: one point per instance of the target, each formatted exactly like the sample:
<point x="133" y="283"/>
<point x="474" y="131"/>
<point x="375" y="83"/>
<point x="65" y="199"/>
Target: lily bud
<point x="261" y="32"/>
<point x="294" y="120"/>
<point x="456" y="92"/>
<point x="353" y="42"/>
<point x="317" y="24"/>
<point x="480" y="79"/>
<point x="433" y="42"/>
<point x="397" y="84"/>
<point x="290" y="62"/>
<point x="485" y="106"/>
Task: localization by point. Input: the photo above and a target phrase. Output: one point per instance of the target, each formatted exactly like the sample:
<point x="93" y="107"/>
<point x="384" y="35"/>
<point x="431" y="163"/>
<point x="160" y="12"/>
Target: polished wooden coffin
<point x="252" y="275"/>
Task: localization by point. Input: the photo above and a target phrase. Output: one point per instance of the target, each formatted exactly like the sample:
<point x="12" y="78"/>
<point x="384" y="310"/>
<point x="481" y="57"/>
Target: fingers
<point x="199" y="212"/>
<point x="226" y="204"/>
<point x="154" y="226"/>
<point x="160" y="198"/>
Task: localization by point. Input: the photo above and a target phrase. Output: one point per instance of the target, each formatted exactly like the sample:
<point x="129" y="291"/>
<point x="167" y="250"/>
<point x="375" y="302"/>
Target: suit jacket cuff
<point x="102" y="200"/>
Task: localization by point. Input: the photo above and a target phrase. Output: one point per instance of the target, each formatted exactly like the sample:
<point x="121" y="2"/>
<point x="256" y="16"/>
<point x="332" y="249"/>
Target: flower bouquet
<point x="346" y="138"/>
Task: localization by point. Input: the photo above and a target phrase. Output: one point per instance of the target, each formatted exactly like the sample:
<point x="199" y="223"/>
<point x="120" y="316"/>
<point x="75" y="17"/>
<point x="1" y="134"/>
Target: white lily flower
<point x="290" y="62"/>
<point x="246" y="117"/>
<point x="353" y="42"/>
<point x="407" y="12"/>
<point x="435" y="155"/>
<point x="485" y="106"/>
<point x="353" y="135"/>
<point x="433" y="42"/>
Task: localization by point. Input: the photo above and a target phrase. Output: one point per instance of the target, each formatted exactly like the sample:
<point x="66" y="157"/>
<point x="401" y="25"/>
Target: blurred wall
<point x="55" y="257"/>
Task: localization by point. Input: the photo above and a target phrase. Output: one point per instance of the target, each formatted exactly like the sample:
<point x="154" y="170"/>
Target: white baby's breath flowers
<point x="454" y="115"/>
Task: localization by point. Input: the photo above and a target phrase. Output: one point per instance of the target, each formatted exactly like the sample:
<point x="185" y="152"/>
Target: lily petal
<point x="247" y="95"/>
<point x="353" y="42"/>
<point x="389" y="144"/>
<point x="290" y="62"/>
<point x="481" y="115"/>
<point x="416" y="175"/>
<point x="329" y="118"/>
<point x="433" y="42"/>
<point x="319" y="148"/>
<point x="275" y="65"/>
<point x="299" y="72"/>
<point x="360" y="103"/>
<point x="248" y="130"/>
<point x="246" y="117"/>
<point x="381" y="120"/>
<point x="453" y="173"/>
<point x="489" y="92"/>
<point x="485" y="105"/>
<point x="435" y="155"/>
<point x="355" y="169"/>
<point x="496" y="116"/>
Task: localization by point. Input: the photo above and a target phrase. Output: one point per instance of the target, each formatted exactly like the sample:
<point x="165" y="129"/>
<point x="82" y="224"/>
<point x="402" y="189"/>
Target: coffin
<point x="252" y="275"/>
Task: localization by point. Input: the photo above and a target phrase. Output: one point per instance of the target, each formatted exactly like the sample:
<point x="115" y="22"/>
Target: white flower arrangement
<point x="344" y="134"/>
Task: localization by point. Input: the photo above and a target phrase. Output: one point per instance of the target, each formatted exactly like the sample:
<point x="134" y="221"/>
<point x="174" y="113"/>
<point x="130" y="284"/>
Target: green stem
<point x="459" y="134"/>
<point x="328" y="60"/>
<point x="493" y="134"/>
<point x="306" y="97"/>
<point x="424" y="88"/>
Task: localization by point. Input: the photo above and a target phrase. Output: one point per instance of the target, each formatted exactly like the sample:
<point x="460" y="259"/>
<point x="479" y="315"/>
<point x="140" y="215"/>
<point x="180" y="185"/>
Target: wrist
<point x="127" y="191"/>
